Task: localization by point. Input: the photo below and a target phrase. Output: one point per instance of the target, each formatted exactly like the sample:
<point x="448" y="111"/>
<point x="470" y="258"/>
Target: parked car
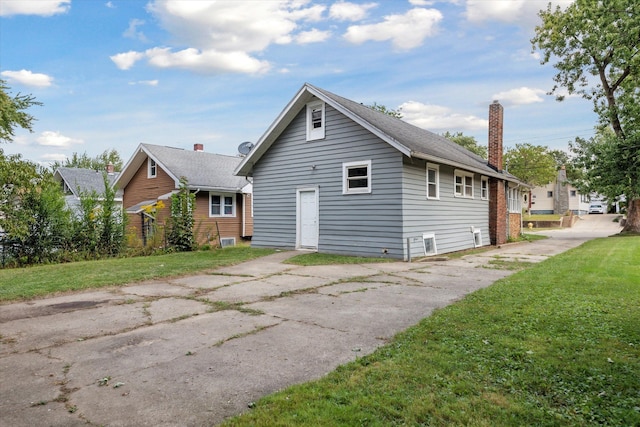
<point x="596" y="208"/>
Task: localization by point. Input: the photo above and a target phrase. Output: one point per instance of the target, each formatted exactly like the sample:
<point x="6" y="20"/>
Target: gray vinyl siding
<point x="355" y="224"/>
<point x="450" y="218"/>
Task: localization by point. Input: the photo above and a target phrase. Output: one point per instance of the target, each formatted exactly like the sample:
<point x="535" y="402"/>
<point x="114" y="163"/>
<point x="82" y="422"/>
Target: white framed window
<point x="152" y="168"/>
<point x="549" y="193"/>
<point x="315" y="120"/>
<point x="356" y="177"/>
<point x="222" y="204"/>
<point x="484" y="188"/>
<point x="477" y="237"/>
<point x="433" y="181"/>
<point x="463" y="184"/>
<point x="513" y="200"/>
<point x="429" y="243"/>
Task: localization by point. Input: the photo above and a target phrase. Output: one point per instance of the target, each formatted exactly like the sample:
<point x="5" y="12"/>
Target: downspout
<point x="244" y="209"/>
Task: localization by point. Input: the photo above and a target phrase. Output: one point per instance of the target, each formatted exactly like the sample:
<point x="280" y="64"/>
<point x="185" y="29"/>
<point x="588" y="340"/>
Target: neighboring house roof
<point x="203" y="171"/>
<point x="81" y="180"/>
<point x="410" y="140"/>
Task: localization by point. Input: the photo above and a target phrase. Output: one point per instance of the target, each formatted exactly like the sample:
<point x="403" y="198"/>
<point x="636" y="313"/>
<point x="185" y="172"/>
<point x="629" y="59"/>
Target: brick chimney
<point x="198" y="147"/>
<point x="495" y="136"/>
<point x="498" y="217"/>
<point x="110" y="169"/>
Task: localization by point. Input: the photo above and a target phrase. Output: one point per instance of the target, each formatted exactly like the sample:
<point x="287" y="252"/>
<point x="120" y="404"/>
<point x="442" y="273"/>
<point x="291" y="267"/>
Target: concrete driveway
<point x="194" y="350"/>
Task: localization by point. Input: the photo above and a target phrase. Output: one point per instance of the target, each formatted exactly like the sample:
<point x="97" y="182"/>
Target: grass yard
<point x="557" y="344"/>
<point x="31" y="282"/>
<point x="549" y="217"/>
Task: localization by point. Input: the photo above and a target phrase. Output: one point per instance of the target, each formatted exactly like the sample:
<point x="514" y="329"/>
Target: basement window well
<point x="429" y="242"/>
<point x="477" y="238"/>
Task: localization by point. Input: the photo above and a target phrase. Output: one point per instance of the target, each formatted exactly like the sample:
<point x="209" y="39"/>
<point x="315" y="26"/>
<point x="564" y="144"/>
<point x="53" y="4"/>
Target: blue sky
<point x="113" y="74"/>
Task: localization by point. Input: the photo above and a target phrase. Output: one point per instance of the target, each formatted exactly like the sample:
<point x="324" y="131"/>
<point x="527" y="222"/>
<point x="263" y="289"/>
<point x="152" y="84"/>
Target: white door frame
<point x="299" y="216"/>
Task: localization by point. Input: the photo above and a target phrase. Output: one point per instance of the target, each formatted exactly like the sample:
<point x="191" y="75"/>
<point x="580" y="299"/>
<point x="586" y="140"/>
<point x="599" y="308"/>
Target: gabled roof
<point x="204" y="171"/>
<point x="81" y="180"/>
<point x="410" y="140"/>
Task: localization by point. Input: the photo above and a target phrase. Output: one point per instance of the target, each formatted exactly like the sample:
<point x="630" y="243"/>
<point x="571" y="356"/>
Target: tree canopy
<point x="532" y="164"/>
<point x="13" y="114"/>
<point x="597" y="48"/>
<point x="388" y="111"/>
<point x="468" y="142"/>
<point x="98" y="162"/>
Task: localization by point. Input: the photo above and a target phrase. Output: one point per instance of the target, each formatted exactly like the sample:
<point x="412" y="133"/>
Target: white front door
<point x="308" y="219"/>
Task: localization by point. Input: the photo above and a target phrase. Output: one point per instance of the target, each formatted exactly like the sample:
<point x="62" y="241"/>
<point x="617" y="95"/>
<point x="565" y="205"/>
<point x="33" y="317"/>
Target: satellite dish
<point x="245" y="147"/>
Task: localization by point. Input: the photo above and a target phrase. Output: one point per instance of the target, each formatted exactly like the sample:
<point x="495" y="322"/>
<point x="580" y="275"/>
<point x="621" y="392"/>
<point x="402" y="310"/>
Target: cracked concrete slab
<point x="166" y="359"/>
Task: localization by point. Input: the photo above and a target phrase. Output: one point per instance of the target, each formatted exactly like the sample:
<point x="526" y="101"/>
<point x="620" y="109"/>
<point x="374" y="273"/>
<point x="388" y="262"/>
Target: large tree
<point x="597" y="48"/>
<point x="532" y="164"/>
<point x="468" y="142"/>
<point x="13" y="114"/>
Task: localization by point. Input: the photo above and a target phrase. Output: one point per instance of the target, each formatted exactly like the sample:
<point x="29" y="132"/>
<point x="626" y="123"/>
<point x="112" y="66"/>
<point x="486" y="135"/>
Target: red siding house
<point x="223" y="213"/>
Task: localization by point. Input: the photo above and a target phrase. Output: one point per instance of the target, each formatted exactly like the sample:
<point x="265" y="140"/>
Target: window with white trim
<point x="477" y="238"/>
<point x="315" y="120"/>
<point x="513" y="200"/>
<point x="463" y="184"/>
<point x="484" y="188"/>
<point x="429" y="243"/>
<point x="152" y="168"/>
<point x="433" y="181"/>
<point x="222" y="204"/>
<point x="356" y="177"/>
<point x="227" y="241"/>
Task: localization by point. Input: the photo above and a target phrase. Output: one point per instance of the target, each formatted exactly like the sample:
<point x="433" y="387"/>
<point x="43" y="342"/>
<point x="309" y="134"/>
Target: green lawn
<point x="549" y="217"/>
<point x="25" y="283"/>
<point x="557" y="344"/>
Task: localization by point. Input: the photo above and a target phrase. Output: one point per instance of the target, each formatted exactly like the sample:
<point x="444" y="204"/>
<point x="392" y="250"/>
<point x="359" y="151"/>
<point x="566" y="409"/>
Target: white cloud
<point x="132" y="31"/>
<point x="312" y="36"/>
<point x="438" y="118"/>
<point x="232" y="26"/>
<point x="346" y="11"/>
<point x="520" y="96"/>
<point x="220" y="36"/>
<point x="145" y="82"/>
<point x="125" y="60"/>
<point x="516" y="11"/>
<point x="34" y="7"/>
<point x="28" y="78"/>
<point x="56" y="139"/>
<point x="405" y="31"/>
<point x="110" y="5"/>
<point x="209" y="61"/>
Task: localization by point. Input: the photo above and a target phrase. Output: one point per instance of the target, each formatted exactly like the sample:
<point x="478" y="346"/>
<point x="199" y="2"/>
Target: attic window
<point x="152" y="169"/>
<point x="315" y="120"/>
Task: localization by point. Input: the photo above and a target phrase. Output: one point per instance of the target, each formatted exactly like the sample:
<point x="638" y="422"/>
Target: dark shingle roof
<point x="80" y="180"/>
<point x="416" y="139"/>
<point x="407" y="138"/>
<point x="201" y="169"/>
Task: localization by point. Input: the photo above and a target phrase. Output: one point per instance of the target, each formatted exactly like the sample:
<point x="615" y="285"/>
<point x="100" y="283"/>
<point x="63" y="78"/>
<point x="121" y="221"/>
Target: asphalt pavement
<point x="192" y="351"/>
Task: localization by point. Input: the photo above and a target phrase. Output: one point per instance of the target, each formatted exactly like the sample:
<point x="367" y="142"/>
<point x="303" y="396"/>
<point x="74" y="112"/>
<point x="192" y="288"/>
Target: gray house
<point x="78" y="181"/>
<point x="335" y="176"/>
